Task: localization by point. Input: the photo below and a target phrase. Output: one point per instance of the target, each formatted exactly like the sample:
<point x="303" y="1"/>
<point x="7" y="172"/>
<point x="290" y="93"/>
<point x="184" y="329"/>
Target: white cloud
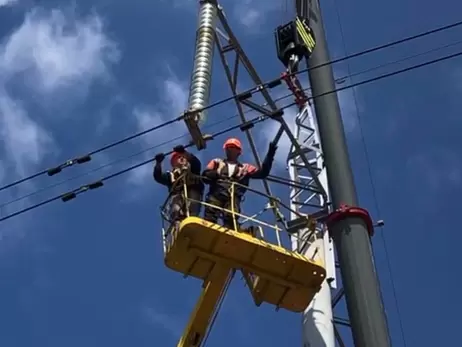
<point x="438" y="169"/>
<point x="25" y="141"/>
<point x="173" y="102"/>
<point x="56" y="50"/>
<point x="185" y="4"/>
<point x="7" y="2"/>
<point x="254" y="13"/>
<point x="49" y="51"/>
<point x="165" y="321"/>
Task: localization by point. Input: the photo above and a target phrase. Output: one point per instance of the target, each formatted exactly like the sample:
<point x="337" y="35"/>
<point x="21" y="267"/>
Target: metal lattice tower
<point x="309" y="192"/>
<point x="318" y="318"/>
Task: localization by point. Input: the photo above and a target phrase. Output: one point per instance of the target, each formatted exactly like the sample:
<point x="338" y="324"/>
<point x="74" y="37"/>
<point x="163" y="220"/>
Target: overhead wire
<point x="245" y="94"/>
<point x="338" y="80"/>
<point x="112" y="163"/>
<point x="87" y="157"/>
<point x="250" y="123"/>
<point x="119" y="160"/>
<point x="74" y="192"/>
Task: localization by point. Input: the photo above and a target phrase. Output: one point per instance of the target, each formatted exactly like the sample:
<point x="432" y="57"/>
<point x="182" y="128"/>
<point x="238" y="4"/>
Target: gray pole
<point x="351" y="237"/>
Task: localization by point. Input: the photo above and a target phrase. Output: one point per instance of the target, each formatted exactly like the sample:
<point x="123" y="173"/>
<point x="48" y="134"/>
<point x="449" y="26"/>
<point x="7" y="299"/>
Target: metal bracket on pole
<point x="191" y="121"/>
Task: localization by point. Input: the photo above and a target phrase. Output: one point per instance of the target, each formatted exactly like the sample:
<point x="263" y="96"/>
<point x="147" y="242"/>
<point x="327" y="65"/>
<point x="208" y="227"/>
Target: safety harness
<point x="239" y="175"/>
<point x="182" y="180"/>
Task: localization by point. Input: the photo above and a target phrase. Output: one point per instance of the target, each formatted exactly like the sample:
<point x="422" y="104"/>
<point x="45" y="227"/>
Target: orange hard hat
<point x="175" y="156"/>
<point x="232" y="142"/>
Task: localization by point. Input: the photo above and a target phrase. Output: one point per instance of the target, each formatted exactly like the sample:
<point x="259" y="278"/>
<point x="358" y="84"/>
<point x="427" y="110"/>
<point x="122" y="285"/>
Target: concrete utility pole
<point x="351" y="230"/>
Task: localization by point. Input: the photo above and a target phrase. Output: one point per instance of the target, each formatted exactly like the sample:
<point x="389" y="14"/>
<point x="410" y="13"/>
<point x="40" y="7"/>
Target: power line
<point x="243" y="95"/>
<point x="119" y="160"/>
<point x="87" y="157"/>
<point x="393" y="62"/>
<point x="73" y="193"/>
<point x="250" y="123"/>
<point x="339" y="80"/>
<point x="25" y="196"/>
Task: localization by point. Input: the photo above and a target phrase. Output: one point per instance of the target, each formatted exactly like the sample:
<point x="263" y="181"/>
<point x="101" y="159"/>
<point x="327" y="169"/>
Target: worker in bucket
<point x="186" y="170"/>
<point x="219" y="174"/>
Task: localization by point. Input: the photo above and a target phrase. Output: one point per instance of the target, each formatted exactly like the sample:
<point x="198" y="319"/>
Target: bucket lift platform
<point x="279" y="276"/>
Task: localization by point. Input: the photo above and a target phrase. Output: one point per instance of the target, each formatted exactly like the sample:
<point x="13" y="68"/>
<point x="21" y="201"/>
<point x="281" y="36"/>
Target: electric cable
<point x="87" y="157"/>
<point x="249" y="124"/>
<point x="74" y="192"/>
<point x="243" y="95"/>
<point x="209" y="126"/>
<point x="338" y="81"/>
<point x="112" y="163"/>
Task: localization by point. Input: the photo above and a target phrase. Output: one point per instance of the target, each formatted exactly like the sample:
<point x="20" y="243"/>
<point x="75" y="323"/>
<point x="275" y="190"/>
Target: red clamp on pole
<point x="300" y="97"/>
<point x="346" y="211"/>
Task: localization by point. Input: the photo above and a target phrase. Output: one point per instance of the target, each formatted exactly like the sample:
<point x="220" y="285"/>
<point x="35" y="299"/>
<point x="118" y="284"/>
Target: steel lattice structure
<point x="309" y="192"/>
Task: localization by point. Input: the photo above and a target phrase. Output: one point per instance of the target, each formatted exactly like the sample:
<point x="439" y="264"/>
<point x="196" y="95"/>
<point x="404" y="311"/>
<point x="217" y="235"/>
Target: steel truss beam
<point x="228" y="45"/>
<point x="305" y="199"/>
<point x="310" y="196"/>
<point x="309" y="192"/>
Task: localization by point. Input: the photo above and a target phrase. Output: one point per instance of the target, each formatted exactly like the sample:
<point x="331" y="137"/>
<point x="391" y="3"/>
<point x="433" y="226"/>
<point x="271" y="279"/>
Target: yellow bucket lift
<point x="210" y="252"/>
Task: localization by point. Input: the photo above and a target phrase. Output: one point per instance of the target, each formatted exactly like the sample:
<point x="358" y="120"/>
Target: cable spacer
<point x="346" y="211"/>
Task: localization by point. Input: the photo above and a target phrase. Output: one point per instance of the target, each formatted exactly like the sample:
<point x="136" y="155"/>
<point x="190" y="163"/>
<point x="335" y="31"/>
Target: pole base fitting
<point x="346" y="211"/>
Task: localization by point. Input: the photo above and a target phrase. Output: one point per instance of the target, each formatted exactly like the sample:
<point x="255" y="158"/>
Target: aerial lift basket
<point x="275" y="274"/>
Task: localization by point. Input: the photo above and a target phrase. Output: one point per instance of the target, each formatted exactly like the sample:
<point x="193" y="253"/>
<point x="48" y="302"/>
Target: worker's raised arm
<point x="264" y="171"/>
<point x="196" y="165"/>
<point x="160" y="176"/>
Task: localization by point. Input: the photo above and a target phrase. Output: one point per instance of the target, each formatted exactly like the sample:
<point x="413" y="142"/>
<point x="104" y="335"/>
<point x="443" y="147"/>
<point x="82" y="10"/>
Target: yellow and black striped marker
<point x="305" y="34"/>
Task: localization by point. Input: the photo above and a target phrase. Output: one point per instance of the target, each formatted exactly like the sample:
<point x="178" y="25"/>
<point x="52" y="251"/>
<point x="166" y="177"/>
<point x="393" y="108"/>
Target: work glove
<point x="179" y="149"/>
<point x="159" y="157"/>
<point x="220" y="167"/>
<point x="242" y="172"/>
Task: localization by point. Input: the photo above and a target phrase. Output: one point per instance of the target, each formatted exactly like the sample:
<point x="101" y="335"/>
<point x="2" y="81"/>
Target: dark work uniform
<point x="174" y="180"/>
<point x="220" y="192"/>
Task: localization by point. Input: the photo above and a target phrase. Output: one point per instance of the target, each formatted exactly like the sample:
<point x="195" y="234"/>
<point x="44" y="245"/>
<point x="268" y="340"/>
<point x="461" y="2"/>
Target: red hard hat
<point x="232" y="142"/>
<point x="175" y="156"/>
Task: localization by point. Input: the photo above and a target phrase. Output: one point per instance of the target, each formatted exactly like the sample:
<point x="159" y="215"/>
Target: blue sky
<point x="78" y="75"/>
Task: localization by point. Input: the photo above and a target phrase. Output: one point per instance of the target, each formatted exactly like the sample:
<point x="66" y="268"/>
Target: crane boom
<point x="213" y="291"/>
